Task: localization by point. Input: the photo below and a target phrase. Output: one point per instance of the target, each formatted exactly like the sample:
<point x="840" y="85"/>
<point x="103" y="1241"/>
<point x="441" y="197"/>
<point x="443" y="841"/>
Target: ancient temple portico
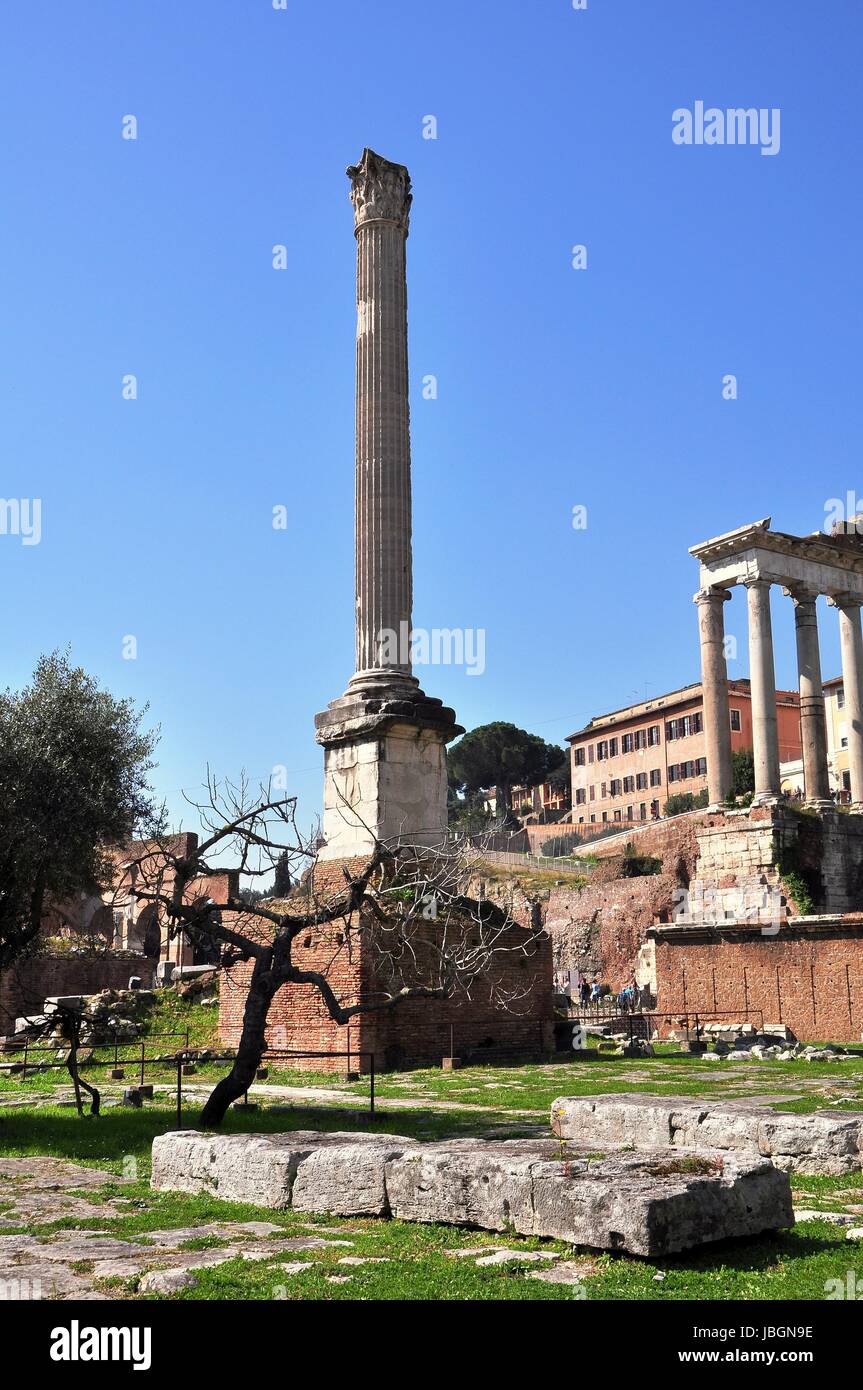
<point x="804" y="567"/>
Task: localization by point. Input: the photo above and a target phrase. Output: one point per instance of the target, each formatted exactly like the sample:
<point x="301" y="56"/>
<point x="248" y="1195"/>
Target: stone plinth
<point x="390" y="788"/>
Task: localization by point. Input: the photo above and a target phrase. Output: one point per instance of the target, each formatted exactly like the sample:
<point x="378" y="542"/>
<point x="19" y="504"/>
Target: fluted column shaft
<point x="813" y="724"/>
<point x="851" y="639"/>
<point x="381" y="197"/>
<point x="765" y="737"/>
<point x="714" y="684"/>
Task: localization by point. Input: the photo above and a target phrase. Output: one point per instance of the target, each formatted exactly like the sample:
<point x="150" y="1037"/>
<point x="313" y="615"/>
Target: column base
<point x="820" y="803"/>
<point x="766" y="799"/>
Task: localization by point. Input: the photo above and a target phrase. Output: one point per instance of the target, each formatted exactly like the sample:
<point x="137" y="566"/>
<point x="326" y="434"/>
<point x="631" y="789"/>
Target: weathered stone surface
<point x="167" y="1281"/>
<point x="347" y="1180"/>
<point x="464" y="1183"/>
<point x="258" y="1168"/>
<point x="823" y="1142"/>
<point x="651" y="1202"/>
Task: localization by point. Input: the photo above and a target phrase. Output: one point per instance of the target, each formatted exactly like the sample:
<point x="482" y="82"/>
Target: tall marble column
<point x="813" y="724"/>
<point x="714" y="684"/>
<point x="851" y="640"/>
<point x="762" y="679"/>
<point x="384" y="740"/>
<point x="381" y="198"/>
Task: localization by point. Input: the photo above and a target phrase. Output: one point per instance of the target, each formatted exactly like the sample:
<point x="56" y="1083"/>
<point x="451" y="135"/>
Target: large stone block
<point x="660" y="1202"/>
<point x="259" y="1168"/>
<point x="466" y="1183"/>
<point x="654" y="1202"/>
<point x="817" y="1143"/>
<point x="347" y="1179"/>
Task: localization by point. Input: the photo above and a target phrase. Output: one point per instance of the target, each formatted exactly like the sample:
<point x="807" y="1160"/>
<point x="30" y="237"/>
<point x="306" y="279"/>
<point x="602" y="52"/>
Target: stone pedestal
<point x="389" y="788"/>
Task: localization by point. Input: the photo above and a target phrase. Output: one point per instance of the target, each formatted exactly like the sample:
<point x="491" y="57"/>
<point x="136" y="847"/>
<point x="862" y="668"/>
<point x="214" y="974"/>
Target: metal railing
<point x="182" y="1061"/>
<point x="141" y="1061"/>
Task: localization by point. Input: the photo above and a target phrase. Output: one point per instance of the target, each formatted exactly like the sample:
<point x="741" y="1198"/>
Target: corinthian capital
<point x="380" y="191"/>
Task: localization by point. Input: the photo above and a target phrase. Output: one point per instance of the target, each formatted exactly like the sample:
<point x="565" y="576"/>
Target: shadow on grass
<point x="118" y="1134"/>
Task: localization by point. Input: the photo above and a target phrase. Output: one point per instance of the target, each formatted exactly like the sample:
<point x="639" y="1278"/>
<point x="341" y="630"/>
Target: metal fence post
<point x="179" y="1093"/>
<point x="372" y="1087"/>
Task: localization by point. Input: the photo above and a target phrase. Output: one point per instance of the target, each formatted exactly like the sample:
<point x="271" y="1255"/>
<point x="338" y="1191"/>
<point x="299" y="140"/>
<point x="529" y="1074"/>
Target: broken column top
<point x="380" y="191"/>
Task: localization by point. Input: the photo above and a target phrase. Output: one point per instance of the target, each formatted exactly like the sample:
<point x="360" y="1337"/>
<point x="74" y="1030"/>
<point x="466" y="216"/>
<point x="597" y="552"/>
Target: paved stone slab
<point x="821" y="1142"/>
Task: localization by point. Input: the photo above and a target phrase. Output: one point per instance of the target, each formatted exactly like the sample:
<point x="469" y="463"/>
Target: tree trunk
<point x="253" y="1042"/>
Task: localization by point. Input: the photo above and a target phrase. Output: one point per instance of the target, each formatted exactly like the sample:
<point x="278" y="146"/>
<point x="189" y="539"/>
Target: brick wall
<point x="810" y="979"/>
<point x="414" y="1033"/>
<point x="25" y="985"/>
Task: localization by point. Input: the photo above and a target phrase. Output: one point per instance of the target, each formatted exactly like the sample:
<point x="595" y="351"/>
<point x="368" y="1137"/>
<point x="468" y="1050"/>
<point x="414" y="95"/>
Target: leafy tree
<point x="686" y="801"/>
<point x="73" y="783"/>
<point x="743" y="771"/>
<point x="282" y="882"/>
<point x="503" y="756"/>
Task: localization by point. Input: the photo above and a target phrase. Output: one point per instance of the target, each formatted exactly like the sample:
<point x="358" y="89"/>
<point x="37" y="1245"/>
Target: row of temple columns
<point x="765" y="735"/>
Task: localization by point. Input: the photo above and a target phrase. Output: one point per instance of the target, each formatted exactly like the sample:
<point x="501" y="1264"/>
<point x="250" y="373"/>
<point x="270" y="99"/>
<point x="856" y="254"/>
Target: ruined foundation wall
<point x="809" y="980"/>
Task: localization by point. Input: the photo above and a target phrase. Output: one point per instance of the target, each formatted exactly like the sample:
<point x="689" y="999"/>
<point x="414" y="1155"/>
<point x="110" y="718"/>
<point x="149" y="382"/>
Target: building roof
<point x="662" y="704"/>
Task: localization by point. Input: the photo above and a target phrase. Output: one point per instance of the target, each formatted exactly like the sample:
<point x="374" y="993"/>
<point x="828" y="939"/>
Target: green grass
<point x="786" y="1266"/>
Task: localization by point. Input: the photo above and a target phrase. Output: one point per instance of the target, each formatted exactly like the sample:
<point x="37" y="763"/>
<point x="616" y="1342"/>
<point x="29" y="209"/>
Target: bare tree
<point x="404" y="906"/>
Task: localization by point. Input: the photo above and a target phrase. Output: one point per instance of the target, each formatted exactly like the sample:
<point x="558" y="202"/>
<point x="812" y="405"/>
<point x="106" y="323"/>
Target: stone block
<point x="349" y="1179"/>
<point x="653" y="1202"/>
<point x="822" y="1142"/>
<point x="464" y="1183"/>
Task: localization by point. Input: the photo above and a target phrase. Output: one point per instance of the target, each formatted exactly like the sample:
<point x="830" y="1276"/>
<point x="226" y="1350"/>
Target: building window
<point x="605" y="817"/>
<point x="697" y="723"/>
<point x="642" y="810"/>
<point x="603" y="791"/>
<point x="612" y="747"/>
<point x="672" y="772"/>
<point x="593" y="793"/>
<point x="629" y="784"/>
<point x="615" y="786"/>
<point x="701" y="765"/>
<point x="671" y="729"/>
<point x="590" y="753"/>
<point x="629" y="815"/>
<point x="640" y="738"/>
<point x="735" y="721"/>
<point x="579" y="757"/>
<point x="580" y="796"/>
<point x="617" y="815"/>
<point x="653" y="736"/>
<point x="626" y="743"/>
<point x="656" y="777"/>
<point x="641" y="781"/>
<point x="602" y="750"/>
<point x="840" y="697"/>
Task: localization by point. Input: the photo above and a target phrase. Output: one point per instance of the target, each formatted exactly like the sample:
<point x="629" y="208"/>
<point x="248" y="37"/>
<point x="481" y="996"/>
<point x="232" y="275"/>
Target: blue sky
<point x="556" y="387"/>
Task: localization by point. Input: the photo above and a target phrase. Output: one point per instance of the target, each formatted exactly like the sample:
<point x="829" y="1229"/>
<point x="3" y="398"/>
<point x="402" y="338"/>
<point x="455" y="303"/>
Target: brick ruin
<point x="415" y="1032"/>
<point x="757" y="912"/>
